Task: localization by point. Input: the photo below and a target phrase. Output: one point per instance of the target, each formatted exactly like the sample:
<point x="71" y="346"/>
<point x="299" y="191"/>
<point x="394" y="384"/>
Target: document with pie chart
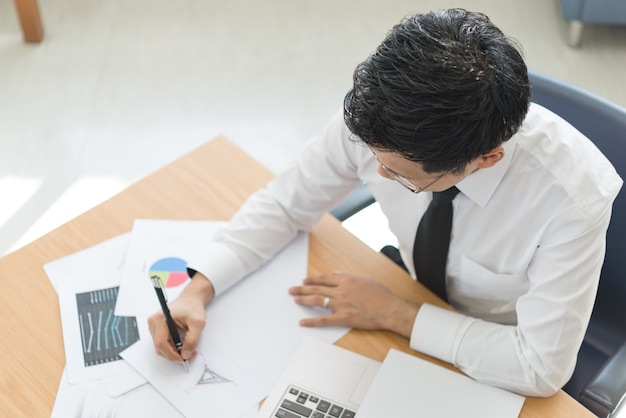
<point x="157" y="249"/>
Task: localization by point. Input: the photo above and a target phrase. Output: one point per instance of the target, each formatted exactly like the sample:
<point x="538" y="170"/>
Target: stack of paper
<point x="105" y="297"/>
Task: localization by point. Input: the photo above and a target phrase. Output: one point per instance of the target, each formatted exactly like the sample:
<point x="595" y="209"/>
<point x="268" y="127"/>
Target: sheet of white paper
<point x="159" y="247"/>
<point x="91" y="400"/>
<point x="407" y="386"/>
<point x="120" y="384"/>
<point x="87" y="283"/>
<point x="215" y="385"/>
<point x="84" y="266"/>
<point x="258" y="319"/>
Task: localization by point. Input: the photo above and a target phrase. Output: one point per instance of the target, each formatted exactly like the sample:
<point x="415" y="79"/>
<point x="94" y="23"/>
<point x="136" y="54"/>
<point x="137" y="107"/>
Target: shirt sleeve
<point x="323" y="174"/>
<point x="536" y="356"/>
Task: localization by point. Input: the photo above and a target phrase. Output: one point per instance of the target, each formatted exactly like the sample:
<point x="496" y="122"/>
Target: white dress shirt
<point x="527" y="245"/>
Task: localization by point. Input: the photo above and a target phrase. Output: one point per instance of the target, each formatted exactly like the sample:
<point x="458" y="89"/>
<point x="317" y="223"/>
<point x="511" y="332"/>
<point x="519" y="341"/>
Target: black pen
<point x="158" y="288"/>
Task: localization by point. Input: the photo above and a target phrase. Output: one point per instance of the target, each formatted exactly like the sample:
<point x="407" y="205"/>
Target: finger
<point x="310" y="290"/>
<point x="312" y="300"/>
<point x="163" y="342"/>
<point x="152" y="320"/>
<point x="322" y="321"/>
<point x="190" y="343"/>
<point x="329" y="280"/>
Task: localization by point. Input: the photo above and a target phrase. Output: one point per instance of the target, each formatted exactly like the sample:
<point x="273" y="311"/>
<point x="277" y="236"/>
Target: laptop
<point x="326" y="381"/>
<point x="319" y="374"/>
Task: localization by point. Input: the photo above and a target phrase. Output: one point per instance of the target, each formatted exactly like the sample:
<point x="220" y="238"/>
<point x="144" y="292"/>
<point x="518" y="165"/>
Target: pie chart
<point x="171" y="271"/>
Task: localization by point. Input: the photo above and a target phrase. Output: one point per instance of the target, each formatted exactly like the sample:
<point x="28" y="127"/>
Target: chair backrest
<point x="604" y="123"/>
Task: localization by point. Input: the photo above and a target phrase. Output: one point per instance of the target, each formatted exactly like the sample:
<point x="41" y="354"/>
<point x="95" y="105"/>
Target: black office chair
<point x="599" y="380"/>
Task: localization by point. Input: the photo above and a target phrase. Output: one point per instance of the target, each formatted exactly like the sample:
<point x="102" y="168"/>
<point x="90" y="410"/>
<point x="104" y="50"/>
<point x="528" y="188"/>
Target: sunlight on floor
<point x="81" y="196"/>
<point x="17" y="192"/>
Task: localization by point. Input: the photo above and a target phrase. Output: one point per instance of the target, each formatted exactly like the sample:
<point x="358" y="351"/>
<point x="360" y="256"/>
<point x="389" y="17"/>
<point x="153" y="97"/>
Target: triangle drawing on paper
<point x="209" y="376"/>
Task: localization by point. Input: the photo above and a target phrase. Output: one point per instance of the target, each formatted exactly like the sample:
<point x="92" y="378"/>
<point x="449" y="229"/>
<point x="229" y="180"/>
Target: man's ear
<point x="491" y="158"/>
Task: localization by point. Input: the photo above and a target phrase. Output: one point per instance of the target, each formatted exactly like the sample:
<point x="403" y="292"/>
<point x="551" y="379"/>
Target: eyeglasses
<point x="403" y="181"/>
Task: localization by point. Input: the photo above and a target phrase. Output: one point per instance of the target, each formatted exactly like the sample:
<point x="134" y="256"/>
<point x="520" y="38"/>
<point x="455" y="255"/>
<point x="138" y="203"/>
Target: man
<point x="443" y="102"/>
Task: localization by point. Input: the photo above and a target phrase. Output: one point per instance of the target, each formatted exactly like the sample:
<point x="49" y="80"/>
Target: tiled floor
<point x="120" y="87"/>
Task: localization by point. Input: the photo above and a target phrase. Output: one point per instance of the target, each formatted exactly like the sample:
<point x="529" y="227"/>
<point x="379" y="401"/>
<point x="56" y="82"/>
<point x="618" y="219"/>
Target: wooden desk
<point x="209" y="183"/>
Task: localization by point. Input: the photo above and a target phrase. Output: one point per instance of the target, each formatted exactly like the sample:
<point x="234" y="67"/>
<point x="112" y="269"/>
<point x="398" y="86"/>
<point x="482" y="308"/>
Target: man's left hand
<point x="355" y="301"/>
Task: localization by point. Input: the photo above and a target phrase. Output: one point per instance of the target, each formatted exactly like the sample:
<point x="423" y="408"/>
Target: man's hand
<point x="189" y="315"/>
<point x="357" y="302"/>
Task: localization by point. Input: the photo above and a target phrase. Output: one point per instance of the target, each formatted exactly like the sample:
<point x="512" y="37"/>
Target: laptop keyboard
<point x="297" y="403"/>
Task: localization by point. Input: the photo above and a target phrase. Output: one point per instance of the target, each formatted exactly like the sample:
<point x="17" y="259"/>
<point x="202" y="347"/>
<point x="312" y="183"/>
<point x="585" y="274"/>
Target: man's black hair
<point x="442" y="89"/>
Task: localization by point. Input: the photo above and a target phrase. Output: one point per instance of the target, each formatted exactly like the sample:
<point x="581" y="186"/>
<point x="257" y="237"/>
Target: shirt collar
<point x="482" y="184"/>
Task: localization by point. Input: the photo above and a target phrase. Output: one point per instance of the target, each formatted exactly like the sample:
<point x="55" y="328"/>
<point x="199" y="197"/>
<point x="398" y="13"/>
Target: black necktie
<point x="430" y="251"/>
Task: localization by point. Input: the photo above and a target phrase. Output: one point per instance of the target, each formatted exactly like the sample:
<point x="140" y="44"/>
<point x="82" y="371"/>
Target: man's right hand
<point x="189" y="314"/>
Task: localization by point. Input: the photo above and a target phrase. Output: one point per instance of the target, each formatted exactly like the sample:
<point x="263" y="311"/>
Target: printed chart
<point x="171" y="271"/>
<point x="103" y="334"/>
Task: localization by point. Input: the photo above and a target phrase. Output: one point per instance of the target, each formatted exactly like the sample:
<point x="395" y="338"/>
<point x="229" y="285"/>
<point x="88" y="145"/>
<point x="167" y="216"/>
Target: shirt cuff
<point x="438" y="332"/>
<point x="220" y="265"/>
